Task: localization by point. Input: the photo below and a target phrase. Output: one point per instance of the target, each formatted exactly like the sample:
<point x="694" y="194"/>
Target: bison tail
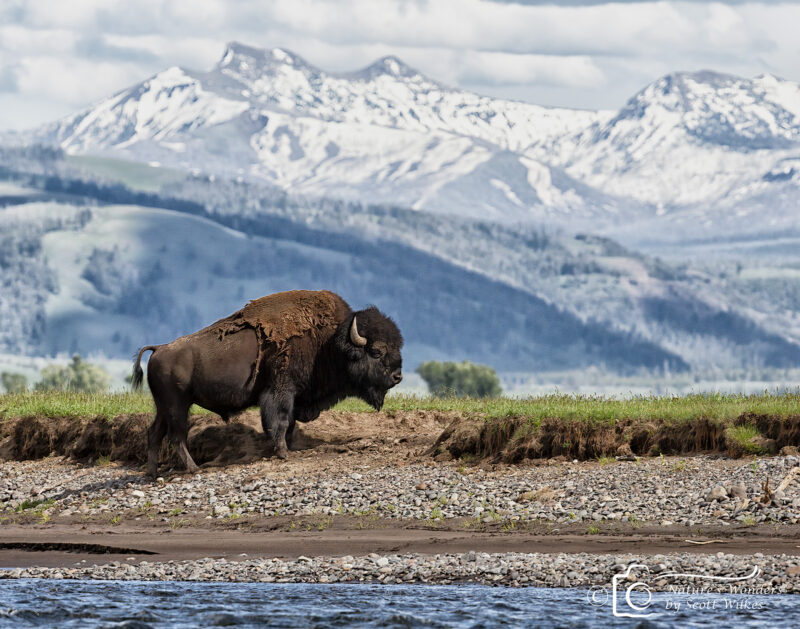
<point x="138" y="374"/>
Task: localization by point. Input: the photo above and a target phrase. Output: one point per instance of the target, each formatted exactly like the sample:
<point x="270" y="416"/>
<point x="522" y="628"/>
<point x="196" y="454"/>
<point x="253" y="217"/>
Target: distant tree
<point x="461" y="379"/>
<point x="77" y="376"/>
<point x="13" y="382"/>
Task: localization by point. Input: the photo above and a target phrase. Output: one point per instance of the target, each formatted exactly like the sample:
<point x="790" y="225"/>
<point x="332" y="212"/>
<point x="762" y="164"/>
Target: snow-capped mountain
<point x="690" y="138"/>
<point x="383" y="134"/>
<point x="387" y="93"/>
<point x="688" y="153"/>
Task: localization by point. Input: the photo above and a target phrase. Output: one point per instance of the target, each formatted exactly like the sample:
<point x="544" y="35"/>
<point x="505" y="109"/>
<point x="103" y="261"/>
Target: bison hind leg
<point x="188" y="461"/>
<point x="179" y="433"/>
<point x="173" y="419"/>
<point x="155" y="435"/>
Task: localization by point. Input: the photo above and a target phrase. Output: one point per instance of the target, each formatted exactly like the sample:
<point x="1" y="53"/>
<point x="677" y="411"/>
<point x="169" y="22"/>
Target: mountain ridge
<point x="685" y="150"/>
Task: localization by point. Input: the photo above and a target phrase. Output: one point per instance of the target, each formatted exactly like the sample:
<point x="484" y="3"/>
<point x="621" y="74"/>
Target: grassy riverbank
<point x="595" y="409"/>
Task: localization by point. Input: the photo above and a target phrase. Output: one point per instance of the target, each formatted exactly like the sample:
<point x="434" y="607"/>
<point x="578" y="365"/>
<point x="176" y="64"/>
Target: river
<point x="139" y="605"/>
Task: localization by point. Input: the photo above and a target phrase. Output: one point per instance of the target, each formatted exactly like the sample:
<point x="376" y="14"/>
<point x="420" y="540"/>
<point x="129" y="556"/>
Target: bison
<point x="293" y="354"/>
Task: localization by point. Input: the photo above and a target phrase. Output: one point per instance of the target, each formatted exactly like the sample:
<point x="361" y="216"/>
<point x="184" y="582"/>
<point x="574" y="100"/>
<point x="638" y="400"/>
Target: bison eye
<point x="375" y="353"/>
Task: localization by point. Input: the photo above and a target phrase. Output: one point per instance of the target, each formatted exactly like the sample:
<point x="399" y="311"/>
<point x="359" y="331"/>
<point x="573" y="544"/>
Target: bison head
<point x="371" y="343"/>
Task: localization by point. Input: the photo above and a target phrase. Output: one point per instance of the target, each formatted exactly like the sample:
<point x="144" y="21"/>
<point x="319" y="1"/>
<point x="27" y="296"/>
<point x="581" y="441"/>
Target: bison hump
<point x="282" y="316"/>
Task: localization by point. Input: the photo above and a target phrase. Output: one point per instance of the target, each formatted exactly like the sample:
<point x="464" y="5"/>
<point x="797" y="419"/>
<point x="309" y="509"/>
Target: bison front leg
<point x="276" y="415"/>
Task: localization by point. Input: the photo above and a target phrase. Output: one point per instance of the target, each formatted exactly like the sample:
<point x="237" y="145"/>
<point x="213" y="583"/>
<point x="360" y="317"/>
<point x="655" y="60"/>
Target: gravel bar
<point x="775" y="574"/>
<point x="700" y="490"/>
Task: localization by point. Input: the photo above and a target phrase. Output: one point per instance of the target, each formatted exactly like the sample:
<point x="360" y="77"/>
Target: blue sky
<point x="57" y="57"/>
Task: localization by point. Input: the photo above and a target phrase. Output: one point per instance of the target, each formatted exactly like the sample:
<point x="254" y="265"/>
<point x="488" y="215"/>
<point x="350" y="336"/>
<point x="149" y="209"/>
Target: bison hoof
<point x="283" y="453"/>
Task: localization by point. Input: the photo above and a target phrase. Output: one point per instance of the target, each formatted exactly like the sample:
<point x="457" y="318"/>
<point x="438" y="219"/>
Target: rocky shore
<point x="768" y="574"/>
<point x="689" y="491"/>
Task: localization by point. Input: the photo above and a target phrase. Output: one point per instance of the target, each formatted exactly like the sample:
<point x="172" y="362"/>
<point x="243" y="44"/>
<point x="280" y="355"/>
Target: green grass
<point x="34" y="504"/>
<point x="714" y="407"/>
<point x="745" y="437"/>
<point x="71" y="404"/>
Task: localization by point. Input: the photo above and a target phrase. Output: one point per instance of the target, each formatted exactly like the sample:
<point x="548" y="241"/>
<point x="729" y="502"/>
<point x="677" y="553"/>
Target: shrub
<point x="77" y="376"/>
<point x="13" y="382"/>
<point x="460" y="379"/>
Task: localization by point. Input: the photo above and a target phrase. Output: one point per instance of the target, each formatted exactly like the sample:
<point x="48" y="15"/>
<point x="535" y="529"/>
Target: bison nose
<point x="397" y="376"/>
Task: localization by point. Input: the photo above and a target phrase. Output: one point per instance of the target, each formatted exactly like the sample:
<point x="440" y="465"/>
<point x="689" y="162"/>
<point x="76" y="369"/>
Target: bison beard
<point x="293" y="354"/>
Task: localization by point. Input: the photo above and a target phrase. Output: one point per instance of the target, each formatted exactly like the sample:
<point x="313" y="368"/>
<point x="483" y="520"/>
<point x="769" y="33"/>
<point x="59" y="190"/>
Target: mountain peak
<point x="682" y="82"/>
<point x="388" y="65"/>
<point x="676" y="91"/>
<point x="237" y="54"/>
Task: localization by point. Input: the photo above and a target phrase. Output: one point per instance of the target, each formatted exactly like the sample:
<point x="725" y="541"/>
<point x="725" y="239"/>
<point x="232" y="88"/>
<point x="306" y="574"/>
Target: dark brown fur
<point x="289" y="353"/>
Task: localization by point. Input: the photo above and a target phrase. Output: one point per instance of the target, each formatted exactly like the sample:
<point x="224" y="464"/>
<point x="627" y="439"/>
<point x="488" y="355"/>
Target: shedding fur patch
<point x="277" y="318"/>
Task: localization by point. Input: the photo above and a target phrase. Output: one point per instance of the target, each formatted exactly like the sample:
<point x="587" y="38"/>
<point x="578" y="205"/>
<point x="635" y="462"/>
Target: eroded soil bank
<point x="512" y="440"/>
<point x="443" y="435"/>
<point x="211" y="441"/>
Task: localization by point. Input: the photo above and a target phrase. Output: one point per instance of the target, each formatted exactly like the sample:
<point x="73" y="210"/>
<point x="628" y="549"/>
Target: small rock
<point x="221" y="510"/>
<point x="738" y="490"/>
<point x="717" y="493"/>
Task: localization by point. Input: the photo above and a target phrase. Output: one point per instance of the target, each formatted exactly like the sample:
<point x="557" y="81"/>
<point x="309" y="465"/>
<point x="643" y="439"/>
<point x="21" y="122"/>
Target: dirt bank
<point x="211" y="441"/>
<point x="512" y="440"/>
<point x="443" y="435"/>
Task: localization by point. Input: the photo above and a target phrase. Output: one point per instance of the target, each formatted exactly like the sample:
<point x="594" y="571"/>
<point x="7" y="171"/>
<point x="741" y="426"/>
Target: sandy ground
<point x="24" y="546"/>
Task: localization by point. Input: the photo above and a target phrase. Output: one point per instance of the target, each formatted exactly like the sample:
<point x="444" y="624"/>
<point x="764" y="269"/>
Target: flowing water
<point x="139" y="605"/>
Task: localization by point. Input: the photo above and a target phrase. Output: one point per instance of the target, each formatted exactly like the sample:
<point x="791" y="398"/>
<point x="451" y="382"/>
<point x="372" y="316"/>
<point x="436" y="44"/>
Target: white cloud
<point x="499" y="68"/>
<point x="580" y="54"/>
<point x="72" y="80"/>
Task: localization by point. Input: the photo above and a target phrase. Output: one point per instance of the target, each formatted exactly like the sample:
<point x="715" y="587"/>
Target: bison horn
<point x="355" y="337"/>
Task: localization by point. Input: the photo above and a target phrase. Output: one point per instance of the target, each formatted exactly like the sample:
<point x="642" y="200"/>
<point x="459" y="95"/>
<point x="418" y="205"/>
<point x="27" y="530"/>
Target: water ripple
<point x="153" y="605"/>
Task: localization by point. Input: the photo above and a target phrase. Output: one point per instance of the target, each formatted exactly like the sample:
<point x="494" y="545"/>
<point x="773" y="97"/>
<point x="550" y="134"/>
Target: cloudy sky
<point x="58" y="56"/>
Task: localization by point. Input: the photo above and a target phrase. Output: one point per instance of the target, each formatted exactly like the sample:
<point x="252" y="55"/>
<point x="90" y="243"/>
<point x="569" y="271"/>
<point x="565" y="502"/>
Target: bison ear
<point x="355" y="337"/>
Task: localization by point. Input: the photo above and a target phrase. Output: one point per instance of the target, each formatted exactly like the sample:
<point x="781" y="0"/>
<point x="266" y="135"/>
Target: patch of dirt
<point x="266" y="540"/>
<point x="515" y="439"/>
<point x="213" y="442"/>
